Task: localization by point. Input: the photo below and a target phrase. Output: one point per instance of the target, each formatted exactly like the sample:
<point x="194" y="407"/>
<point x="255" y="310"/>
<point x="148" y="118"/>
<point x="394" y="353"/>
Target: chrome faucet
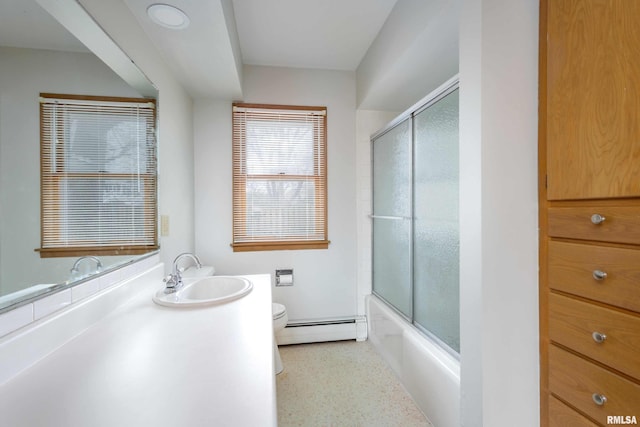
<point x="75" y="270"/>
<point x="174" y="280"/>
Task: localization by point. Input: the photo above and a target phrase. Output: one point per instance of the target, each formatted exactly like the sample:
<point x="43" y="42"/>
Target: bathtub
<point x="429" y="373"/>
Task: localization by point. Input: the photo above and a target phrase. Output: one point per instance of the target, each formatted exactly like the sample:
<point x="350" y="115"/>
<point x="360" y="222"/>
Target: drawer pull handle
<point x="599" y="399"/>
<point x="599" y="275"/>
<point x="597" y="219"/>
<point x="598" y="337"/>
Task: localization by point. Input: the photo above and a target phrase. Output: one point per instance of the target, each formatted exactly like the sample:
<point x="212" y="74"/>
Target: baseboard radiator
<point x="302" y="332"/>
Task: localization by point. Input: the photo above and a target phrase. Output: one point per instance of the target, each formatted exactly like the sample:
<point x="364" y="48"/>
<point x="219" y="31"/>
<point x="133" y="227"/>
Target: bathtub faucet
<point x="75" y="270"/>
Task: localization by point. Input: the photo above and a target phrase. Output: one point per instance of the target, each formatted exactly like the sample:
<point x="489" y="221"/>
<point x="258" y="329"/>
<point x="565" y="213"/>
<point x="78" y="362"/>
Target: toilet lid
<point x="278" y="310"/>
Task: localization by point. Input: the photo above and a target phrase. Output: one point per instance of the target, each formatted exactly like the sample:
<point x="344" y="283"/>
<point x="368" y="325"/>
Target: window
<point x="279" y="177"/>
<point x="98" y="175"/>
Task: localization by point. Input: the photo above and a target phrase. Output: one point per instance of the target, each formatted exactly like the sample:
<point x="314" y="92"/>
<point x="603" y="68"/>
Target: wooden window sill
<point x="279" y="246"/>
<point x="96" y="250"/>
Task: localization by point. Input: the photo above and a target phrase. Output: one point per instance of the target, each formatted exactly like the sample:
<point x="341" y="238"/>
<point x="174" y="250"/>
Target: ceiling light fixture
<point x="168" y="16"/>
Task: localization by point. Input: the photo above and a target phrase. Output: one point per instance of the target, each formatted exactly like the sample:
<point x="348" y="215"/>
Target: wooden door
<point x="593" y="99"/>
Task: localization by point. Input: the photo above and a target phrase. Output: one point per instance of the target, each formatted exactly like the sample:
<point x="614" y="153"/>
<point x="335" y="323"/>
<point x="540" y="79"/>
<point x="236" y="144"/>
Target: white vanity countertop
<point x="148" y="365"/>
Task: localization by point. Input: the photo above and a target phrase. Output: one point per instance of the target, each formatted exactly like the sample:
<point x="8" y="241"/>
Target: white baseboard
<point x="323" y="331"/>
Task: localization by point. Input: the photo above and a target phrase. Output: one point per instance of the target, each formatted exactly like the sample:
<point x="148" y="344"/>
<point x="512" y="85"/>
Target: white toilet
<point x="280" y="320"/>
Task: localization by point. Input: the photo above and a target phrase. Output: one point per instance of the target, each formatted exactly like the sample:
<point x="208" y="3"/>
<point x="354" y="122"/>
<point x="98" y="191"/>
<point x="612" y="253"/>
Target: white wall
<point x="24" y="74"/>
<point x="175" y="124"/>
<point x="418" y="35"/>
<point x="498" y="206"/>
<point x="325" y="280"/>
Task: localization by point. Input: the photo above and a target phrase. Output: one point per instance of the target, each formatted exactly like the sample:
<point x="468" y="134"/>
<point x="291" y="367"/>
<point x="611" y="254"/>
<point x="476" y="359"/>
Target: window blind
<point x="98" y="175"/>
<point x="279" y="177"/>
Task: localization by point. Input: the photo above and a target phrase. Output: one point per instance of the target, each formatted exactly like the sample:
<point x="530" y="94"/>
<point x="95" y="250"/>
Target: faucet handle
<point x="173" y="283"/>
<point x="170" y="280"/>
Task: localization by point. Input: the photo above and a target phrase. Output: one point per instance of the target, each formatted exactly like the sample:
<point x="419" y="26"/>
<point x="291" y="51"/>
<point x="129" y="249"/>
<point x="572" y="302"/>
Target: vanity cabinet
<point x="589" y="198"/>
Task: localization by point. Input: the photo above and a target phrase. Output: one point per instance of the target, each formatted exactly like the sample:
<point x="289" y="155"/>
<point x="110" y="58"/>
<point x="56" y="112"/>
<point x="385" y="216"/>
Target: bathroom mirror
<point x="40" y="53"/>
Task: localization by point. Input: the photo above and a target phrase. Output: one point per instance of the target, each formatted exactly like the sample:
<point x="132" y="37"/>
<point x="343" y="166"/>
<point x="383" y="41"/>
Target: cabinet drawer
<point x="572" y="267"/>
<point x="560" y="415"/>
<point x="621" y="224"/>
<point x="573" y="324"/>
<point x="576" y="381"/>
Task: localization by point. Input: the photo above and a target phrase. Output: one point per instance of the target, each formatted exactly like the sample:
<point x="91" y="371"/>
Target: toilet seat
<point x="278" y="311"/>
<point x="280" y="319"/>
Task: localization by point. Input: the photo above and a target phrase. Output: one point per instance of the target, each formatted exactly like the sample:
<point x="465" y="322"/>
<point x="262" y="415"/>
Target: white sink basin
<point x="194" y="272"/>
<point x="205" y="291"/>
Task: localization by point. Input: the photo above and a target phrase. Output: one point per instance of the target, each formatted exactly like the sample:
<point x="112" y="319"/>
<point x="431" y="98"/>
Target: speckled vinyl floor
<point x="340" y="384"/>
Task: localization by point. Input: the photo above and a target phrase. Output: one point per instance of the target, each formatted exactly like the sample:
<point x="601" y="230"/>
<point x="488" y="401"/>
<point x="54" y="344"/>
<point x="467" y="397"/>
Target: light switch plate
<point x="164" y="225"/>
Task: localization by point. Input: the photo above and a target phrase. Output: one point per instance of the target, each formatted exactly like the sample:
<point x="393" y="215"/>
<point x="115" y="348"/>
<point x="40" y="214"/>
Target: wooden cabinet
<point x="603" y="223"/>
<point x="595" y="391"/>
<point x="560" y="415"/>
<point x="593" y="99"/>
<point x="589" y="198"/>
<point x="576" y="268"/>
<point x="604" y="335"/>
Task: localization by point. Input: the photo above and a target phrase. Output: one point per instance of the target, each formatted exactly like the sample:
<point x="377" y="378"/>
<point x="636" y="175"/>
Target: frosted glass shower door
<point x="392" y="217"/>
<point x="436" y="221"/>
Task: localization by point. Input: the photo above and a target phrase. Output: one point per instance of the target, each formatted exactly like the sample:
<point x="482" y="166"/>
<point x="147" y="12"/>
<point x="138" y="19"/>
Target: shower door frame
<point x="432" y="98"/>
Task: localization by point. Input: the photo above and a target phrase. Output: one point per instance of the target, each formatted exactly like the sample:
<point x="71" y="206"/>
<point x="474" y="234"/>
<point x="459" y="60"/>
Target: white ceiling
<point x="207" y="58"/>
<point x="24" y="24"/>
<point x="202" y="56"/>
<point x="327" y="34"/>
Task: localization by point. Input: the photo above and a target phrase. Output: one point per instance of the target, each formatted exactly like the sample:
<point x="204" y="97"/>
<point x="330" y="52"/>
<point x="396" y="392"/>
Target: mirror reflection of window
<point x="98" y="158"/>
<point x="124" y="148"/>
